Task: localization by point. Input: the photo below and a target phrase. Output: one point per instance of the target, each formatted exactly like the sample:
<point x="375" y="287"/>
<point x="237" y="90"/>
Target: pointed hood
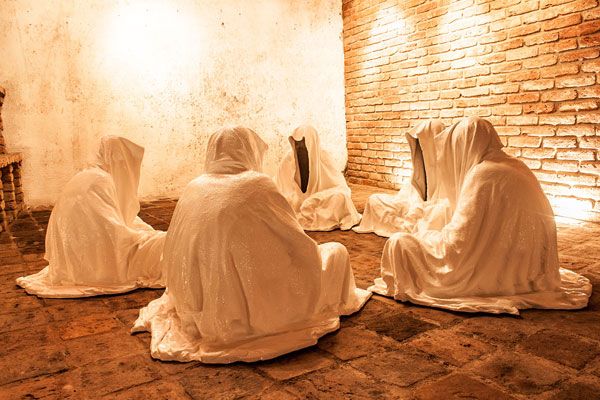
<point x="122" y="159"/>
<point x="234" y="150"/>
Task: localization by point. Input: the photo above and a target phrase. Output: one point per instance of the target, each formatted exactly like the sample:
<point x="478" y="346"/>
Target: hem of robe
<point x="37" y="284"/>
<point x="378" y="232"/>
<point x="337" y="225"/>
<point x="573" y="293"/>
<point x="170" y="343"/>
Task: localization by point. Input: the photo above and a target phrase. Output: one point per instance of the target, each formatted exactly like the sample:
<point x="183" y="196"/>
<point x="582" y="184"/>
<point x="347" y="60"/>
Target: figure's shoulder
<point x="91" y="178"/>
<point x="504" y="173"/>
<point x="257" y="181"/>
<point x="244" y="184"/>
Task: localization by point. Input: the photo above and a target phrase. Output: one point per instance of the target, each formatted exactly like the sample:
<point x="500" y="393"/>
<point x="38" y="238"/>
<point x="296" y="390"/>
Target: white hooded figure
<point x="498" y="251"/>
<point x="317" y="192"/>
<point x="95" y="242"/>
<point x="386" y="214"/>
<point x="244" y="282"/>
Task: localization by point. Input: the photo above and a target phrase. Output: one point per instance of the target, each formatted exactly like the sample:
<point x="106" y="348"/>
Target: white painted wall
<point x="164" y="74"/>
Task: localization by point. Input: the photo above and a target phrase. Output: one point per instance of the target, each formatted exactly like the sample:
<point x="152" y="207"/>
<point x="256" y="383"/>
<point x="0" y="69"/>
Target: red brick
<point x="555" y="119"/>
<point x="559" y="95"/>
<point x="541" y="61"/>
<point x="524" y="97"/>
<point x="522" y="120"/>
<point x="560" y="142"/>
<point x="590" y="167"/>
<point x="590" y="143"/>
<point x="519" y="54"/>
<point x="589" y="92"/>
<point x="532" y="164"/>
<point x="575" y="81"/>
<point x="578" y="105"/>
<point x="491" y="79"/>
<point x="579" y="55"/>
<point x="538" y="108"/>
<point x="491" y="100"/>
<point x="588" y="118"/>
<point x="591" y="66"/>
<point x="542" y="153"/>
<point x="506" y="67"/>
<point x="562" y="166"/>
<point x="585" y="28"/>
<point x="493" y="38"/>
<point x="525" y="75"/>
<point x="508" y="45"/>
<point x="522" y="8"/>
<point x="576" y="130"/>
<point x="540" y="84"/>
<point x="591" y="14"/>
<point x="579" y="155"/>
<point x="541" y="38"/>
<point x="560" y="70"/>
<point x="524" y="141"/>
<point x="562" y="22"/>
<point x="538" y="130"/>
<point x="476" y="91"/>
<point x="590" y="41"/>
<point x="508" y="110"/>
<point x="507" y="88"/>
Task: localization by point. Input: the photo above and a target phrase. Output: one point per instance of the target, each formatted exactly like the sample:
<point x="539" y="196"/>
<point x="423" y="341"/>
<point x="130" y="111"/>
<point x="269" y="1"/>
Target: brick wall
<point x="531" y="67"/>
<point x="2" y="147"/>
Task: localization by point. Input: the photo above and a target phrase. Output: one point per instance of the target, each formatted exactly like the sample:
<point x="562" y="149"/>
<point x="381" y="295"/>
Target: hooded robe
<point x="386" y="214"/>
<point x="497" y="253"/>
<point x="95" y="242"/>
<point x="317" y="192"/>
<point x="244" y="282"/>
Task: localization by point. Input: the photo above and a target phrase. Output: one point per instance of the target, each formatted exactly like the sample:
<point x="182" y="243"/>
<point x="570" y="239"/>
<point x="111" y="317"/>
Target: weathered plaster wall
<point x="165" y="74"/>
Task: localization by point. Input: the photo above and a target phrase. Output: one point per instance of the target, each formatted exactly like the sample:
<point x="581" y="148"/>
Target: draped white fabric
<point x="244" y="282"/>
<point x="327" y="203"/>
<point x="498" y="251"/>
<point x="386" y="214"/>
<point x="95" y="243"/>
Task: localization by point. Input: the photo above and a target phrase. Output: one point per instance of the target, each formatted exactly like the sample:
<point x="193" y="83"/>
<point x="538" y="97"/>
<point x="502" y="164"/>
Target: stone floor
<point x="78" y="349"/>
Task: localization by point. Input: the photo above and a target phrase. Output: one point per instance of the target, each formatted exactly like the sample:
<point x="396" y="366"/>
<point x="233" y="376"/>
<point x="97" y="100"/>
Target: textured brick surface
<point x="531" y="67"/>
<point x="82" y="349"/>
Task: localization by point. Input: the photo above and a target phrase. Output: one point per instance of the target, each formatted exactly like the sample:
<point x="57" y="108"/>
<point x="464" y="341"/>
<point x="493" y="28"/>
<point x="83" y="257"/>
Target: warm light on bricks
<point x="529" y="67"/>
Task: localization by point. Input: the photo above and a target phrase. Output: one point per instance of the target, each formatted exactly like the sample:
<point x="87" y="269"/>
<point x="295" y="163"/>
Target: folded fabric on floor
<point x="498" y="251"/>
<point x="316" y="190"/>
<point x="95" y="242"/>
<point x="244" y="282"/>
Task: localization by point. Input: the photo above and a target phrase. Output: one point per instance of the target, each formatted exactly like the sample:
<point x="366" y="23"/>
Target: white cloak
<point x="244" y="282"/>
<point x="386" y="214"/>
<point x="95" y="242"/>
<point x="327" y="203"/>
<point x="498" y="251"/>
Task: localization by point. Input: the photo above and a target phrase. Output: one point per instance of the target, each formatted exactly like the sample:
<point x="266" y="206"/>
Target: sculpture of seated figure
<point x="386" y="214"/>
<point x="244" y="282"/>
<point x="95" y="242"/>
<point x="317" y="192"/>
<point x="497" y="252"/>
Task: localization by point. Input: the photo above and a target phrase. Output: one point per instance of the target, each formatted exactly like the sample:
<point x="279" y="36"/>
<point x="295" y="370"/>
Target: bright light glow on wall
<point x="568" y="210"/>
<point x="152" y="44"/>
